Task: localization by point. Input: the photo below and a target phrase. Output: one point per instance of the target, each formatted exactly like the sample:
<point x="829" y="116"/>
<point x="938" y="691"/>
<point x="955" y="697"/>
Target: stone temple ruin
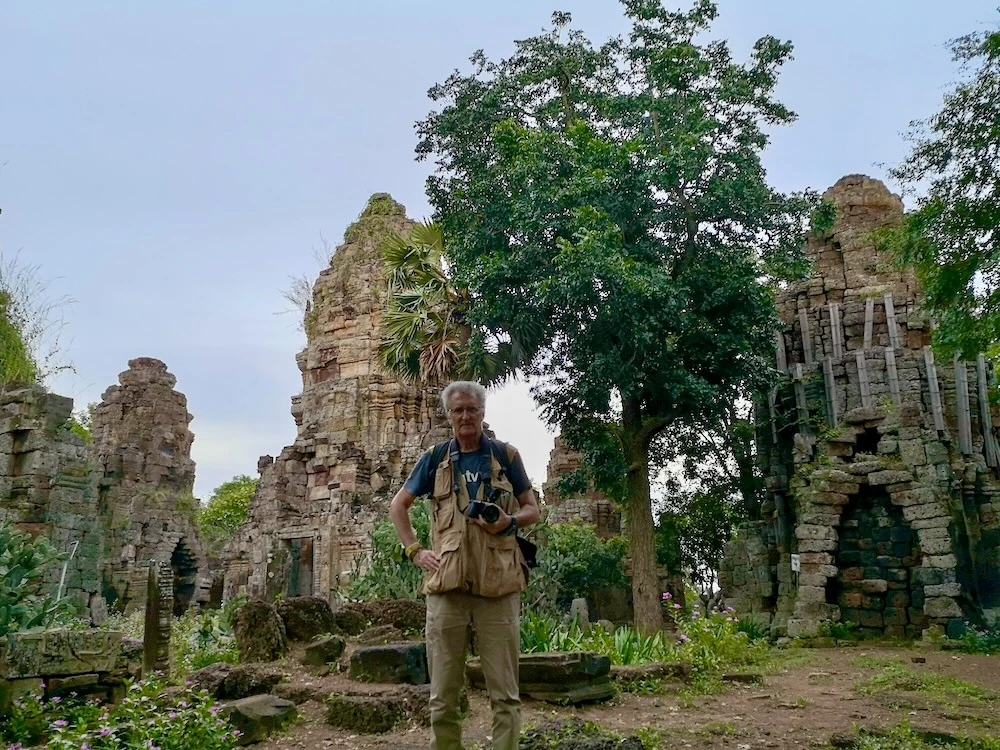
<point x="115" y="505"/>
<point x="591" y="506"/>
<point x="142" y="450"/>
<point x="881" y="464"/>
<point x="360" y="431"/>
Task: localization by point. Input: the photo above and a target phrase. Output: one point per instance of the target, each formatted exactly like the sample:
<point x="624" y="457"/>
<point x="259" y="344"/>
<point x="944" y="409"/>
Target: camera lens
<point x="490" y="514"/>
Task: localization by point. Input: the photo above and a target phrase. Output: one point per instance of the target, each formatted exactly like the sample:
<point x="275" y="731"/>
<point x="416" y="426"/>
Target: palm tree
<point x="426" y="336"/>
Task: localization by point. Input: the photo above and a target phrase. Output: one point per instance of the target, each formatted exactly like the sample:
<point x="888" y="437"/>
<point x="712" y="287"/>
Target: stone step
<point x="391" y="662"/>
<point x="568" y="678"/>
<point x="259" y="716"/>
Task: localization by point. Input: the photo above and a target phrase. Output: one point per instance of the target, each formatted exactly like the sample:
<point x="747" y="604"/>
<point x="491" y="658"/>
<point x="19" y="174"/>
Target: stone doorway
<point x="877" y="556"/>
<point x="185" y="569"/>
<point x="300" y="567"/>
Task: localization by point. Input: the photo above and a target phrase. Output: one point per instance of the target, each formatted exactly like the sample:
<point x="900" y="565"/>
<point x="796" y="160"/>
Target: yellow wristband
<point x="412" y="550"/>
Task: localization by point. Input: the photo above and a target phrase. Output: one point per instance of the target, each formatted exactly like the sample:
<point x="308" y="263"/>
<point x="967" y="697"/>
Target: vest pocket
<point x="443" y="512"/>
<point x="451" y="575"/>
<point x="500" y="573"/>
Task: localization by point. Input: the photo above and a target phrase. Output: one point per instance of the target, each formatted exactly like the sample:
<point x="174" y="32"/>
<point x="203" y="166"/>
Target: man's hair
<point x="466" y="387"/>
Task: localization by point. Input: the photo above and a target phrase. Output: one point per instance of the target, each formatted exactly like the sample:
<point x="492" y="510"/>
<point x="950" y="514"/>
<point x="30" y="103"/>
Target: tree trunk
<point x="645" y="583"/>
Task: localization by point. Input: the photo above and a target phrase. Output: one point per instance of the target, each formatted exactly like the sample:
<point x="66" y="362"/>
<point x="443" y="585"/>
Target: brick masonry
<point x="881" y="464"/>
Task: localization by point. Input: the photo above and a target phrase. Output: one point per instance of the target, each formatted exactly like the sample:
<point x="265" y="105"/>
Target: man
<point x="475" y="571"/>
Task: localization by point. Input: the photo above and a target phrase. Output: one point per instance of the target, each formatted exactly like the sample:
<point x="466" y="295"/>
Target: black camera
<point x="489" y="512"/>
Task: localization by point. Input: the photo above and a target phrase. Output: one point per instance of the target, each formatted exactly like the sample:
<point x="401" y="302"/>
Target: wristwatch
<point x="512" y="529"/>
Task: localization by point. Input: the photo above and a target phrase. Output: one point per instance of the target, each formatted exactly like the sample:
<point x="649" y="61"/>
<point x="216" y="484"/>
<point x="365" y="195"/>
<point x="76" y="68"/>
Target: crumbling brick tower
<point x="359" y="432"/>
<point x="881" y="463"/>
<point x="142" y="448"/>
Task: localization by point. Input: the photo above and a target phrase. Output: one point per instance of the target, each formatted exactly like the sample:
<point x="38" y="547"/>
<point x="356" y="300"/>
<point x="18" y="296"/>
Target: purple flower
<point x="105" y="731"/>
<point x="676" y="605"/>
<point x="60" y="723"/>
<point x="237" y="733"/>
<point x="56" y="699"/>
<point x="172" y="715"/>
<point x="683" y="638"/>
<point x="666" y="595"/>
<point x="215" y="709"/>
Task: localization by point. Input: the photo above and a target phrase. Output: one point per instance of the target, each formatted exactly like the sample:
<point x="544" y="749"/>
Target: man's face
<point x="465" y="416"/>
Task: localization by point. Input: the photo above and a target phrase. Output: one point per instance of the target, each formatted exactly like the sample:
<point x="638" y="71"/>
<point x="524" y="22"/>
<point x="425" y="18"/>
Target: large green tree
<point x="952" y="239"/>
<point x="227" y="510"/>
<point x="607" y="212"/>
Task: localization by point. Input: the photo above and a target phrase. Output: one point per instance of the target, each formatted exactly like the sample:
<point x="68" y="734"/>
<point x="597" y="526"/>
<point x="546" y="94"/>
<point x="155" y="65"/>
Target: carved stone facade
<point x="360" y="431"/>
<point x="47" y="488"/>
<point x="881" y="464"/>
<point x="113" y="505"/>
<point x="142" y="451"/>
<point x="590" y="506"/>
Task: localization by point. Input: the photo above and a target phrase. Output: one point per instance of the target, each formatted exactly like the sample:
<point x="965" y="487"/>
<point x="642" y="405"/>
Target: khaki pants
<point x="498" y="634"/>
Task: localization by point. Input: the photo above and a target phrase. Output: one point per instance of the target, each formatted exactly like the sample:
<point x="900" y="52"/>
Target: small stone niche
<point x="876" y="558"/>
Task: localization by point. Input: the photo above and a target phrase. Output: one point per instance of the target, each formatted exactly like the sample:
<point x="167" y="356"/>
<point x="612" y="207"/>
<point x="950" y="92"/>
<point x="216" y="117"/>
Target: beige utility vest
<point x="473" y="561"/>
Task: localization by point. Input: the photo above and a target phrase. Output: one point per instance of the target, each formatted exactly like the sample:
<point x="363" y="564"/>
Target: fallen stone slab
<point x="566" y="678"/>
<point x="323" y="651"/>
<point x="353" y="710"/>
<point x="404" y="614"/>
<point x="392" y="663"/>
<point x="380" y="635"/>
<point x="258" y="716"/>
<point x="306" y="617"/>
<point x="367" y="714"/>
<point x="260" y="632"/>
<point x="231" y="681"/>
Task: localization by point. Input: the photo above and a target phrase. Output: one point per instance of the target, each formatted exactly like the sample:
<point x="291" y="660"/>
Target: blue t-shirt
<point x="473" y="466"/>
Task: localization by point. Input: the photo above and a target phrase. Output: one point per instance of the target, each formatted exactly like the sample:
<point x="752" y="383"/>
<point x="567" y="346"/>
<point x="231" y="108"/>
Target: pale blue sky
<point x="170" y="165"/>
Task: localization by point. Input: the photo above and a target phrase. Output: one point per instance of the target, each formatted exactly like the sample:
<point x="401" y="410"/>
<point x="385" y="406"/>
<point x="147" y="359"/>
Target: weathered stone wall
<point x="360" y="431"/>
<point x="47" y="488"/>
<point x="881" y="464"/>
<point x="590" y="506"/>
<point x="142" y="450"/>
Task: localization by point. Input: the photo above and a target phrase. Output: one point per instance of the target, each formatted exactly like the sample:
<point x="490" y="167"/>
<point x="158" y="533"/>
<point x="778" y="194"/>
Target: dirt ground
<point x="806" y="696"/>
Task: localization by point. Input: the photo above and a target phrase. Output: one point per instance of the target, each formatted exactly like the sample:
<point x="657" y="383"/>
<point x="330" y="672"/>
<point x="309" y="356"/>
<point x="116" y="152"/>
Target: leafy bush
<point x="714" y="643"/>
<point x="198" y="639"/>
<point x="145" y="718"/>
<point x="227" y="510"/>
<point x="22" y="601"/>
<point x="385" y="573"/>
<point x="839" y="630"/>
<point x="572" y="562"/>
<point x="976" y="641"/>
<point x="711" y="644"/>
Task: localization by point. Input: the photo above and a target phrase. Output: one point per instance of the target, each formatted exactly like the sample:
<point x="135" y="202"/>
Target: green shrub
<point x="840" y="630"/>
<point x="385" y="573"/>
<point x="198" y="639"/>
<point x="714" y="643"/>
<point x="573" y="562"/>
<point x="24" y="603"/>
<point x="980" y="641"/>
<point x="227" y="510"/>
<point x="145" y="718"/>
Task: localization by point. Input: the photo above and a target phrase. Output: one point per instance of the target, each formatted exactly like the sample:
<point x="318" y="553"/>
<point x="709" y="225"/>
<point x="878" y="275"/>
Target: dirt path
<point x="807" y="696"/>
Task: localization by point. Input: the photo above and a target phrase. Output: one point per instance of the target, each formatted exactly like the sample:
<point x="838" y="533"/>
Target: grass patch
<point x="905" y="737"/>
<point x="893" y="675"/>
<point x="717" y="729"/>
